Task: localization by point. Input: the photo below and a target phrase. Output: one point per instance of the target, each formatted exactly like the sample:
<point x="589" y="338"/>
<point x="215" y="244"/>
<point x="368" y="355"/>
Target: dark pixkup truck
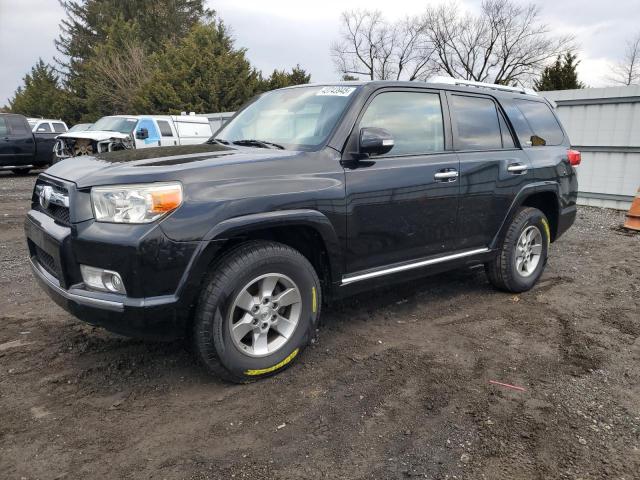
<point x="308" y="194"/>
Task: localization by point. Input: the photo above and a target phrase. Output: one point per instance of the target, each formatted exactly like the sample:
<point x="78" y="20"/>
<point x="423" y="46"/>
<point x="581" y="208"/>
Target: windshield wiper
<point x="218" y="140"/>
<point x="258" y="143"/>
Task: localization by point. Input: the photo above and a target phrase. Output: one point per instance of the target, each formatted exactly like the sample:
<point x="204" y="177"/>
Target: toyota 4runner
<point x="308" y="194"/>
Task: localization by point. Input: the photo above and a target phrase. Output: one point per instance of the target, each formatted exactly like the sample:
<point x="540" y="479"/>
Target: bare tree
<point x="505" y="43"/>
<point x="627" y="71"/>
<point x="117" y="76"/>
<point x="372" y="47"/>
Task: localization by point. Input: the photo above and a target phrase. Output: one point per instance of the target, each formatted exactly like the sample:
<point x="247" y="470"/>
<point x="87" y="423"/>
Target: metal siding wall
<point x="609" y="119"/>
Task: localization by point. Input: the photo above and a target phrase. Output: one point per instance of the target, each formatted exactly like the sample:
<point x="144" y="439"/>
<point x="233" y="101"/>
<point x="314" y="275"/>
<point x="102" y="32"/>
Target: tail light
<point x="574" y="157"/>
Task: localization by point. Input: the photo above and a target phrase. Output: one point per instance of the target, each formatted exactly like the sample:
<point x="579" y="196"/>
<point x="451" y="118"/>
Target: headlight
<point x="142" y="203"/>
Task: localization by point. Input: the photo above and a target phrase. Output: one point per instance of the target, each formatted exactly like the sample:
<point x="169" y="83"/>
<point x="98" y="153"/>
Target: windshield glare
<point x="296" y="118"/>
<point x="114" y="124"/>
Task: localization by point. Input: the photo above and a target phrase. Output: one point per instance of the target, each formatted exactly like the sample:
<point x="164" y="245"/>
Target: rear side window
<point x="3" y="127"/>
<point x="43" y="128"/>
<point x="59" y="127"/>
<point x="478" y="123"/>
<point x="18" y="126"/>
<point x="413" y="118"/>
<point x="546" y="129"/>
<point x="165" y="128"/>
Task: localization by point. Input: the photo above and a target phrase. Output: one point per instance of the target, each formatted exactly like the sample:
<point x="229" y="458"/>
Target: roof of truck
<point x="435" y="82"/>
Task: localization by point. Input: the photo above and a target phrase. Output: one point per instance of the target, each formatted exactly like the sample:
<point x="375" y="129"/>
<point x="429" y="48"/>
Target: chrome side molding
<point x="347" y="279"/>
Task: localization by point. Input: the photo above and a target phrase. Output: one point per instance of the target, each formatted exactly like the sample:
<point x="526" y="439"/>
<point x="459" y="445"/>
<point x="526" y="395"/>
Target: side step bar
<point x="356" y="277"/>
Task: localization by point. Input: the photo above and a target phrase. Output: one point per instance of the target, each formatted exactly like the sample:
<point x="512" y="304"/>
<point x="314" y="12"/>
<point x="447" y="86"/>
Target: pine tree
<point x="562" y="75"/>
<point x="41" y="94"/>
<point x="282" y="78"/>
<point x="203" y="72"/>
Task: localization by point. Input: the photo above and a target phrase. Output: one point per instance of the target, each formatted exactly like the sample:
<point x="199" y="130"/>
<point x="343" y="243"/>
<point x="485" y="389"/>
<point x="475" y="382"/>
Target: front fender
<point x="216" y="237"/>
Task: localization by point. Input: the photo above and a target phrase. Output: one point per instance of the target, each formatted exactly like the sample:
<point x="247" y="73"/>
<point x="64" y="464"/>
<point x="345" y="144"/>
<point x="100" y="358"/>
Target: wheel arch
<point x="308" y="231"/>
<point x="544" y="196"/>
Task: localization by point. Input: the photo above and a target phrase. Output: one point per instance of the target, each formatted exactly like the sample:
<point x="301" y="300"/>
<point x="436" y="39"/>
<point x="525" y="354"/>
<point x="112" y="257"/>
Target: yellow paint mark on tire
<point x="547" y="230"/>
<point x="277" y="366"/>
<point x="314" y="301"/>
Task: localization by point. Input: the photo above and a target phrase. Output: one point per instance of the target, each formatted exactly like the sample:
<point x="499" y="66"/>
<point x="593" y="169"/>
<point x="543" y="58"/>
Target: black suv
<point x="308" y="194"/>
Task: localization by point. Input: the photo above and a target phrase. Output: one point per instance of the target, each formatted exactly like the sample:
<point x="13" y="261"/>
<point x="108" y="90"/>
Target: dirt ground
<point x="396" y="385"/>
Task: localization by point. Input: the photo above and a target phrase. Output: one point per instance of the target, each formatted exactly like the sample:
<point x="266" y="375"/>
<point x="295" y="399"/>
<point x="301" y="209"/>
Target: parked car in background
<point x="124" y="132"/>
<point x="80" y="127"/>
<point x="22" y="149"/>
<point x="46" y="125"/>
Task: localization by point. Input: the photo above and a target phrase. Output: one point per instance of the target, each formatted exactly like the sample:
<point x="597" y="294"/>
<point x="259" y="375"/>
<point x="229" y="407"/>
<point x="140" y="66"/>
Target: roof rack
<point x="471" y="83"/>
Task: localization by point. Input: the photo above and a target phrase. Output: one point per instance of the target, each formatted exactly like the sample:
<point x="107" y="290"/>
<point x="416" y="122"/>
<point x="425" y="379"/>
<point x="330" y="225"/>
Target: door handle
<point x="517" y="168"/>
<point x="446" y="175"/>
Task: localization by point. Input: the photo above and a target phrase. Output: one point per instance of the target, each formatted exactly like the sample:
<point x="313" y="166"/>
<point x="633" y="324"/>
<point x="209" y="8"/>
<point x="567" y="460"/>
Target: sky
<point x="283" y="33"/>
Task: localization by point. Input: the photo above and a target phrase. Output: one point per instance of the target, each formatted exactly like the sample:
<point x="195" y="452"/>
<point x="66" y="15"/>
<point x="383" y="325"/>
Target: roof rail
<point x="471" y="83"/>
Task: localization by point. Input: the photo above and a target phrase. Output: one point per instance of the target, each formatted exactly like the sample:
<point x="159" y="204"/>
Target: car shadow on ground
<point x="103" y="359"/>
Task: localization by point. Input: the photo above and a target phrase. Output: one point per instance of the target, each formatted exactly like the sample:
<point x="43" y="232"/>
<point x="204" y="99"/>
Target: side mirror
<point x="375" y="141"/>
<point x="142" y="134"/>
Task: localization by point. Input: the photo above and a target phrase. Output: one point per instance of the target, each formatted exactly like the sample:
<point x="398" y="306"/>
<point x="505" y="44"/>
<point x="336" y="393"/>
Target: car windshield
<point x="294" y="118"/>
<point x="114" y="124"/>
<point x="80" y="127"/>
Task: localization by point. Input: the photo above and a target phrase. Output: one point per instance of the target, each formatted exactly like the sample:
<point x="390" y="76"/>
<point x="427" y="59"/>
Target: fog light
<point x="102" y="280"/>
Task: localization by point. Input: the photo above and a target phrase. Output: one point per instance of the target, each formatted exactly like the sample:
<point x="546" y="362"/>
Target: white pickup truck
<point x="121" y="132"/>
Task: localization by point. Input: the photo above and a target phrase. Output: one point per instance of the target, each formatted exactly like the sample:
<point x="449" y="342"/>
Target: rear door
<point x="168" y="136"/>
<point x="398" y="207"/>
<point x="493" y="168"/>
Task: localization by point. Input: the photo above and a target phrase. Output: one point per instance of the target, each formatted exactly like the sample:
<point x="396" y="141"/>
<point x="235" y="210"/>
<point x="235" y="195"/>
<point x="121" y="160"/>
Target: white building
<point x="604" y="124"/>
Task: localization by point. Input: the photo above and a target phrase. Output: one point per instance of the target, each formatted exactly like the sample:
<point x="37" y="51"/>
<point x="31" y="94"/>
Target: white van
<point x="121" y="132"/>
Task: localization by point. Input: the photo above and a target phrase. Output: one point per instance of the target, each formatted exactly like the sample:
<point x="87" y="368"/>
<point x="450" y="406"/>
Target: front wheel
<point x="257" y="312"/>
<point x="522" y="255"/>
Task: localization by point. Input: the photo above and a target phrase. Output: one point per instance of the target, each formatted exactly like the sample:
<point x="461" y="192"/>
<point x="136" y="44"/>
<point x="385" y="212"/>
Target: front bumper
<point x="152" y="318"/>
<point x="55" y="254"/>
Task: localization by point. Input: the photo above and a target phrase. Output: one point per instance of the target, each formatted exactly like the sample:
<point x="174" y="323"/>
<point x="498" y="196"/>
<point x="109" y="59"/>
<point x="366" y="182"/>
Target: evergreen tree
<point x="89" y="24"/>
<point x="562" y="75"/>
<point x="41" y="94"/>
<point x="203" y="72"/>
<point x="282" y="78"/>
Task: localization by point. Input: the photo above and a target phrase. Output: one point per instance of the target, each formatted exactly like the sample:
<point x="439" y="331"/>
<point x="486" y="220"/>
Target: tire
<point x="21" y="171"/>
<point x="224" y="307"/>
<point x="508" y="271"/>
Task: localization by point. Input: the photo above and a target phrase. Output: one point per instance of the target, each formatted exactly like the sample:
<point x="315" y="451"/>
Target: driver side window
<point x="414" y="119"/>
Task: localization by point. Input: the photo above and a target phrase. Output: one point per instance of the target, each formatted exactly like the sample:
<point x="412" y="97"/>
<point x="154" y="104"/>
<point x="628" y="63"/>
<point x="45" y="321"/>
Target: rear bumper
<point x="565" y="220"/>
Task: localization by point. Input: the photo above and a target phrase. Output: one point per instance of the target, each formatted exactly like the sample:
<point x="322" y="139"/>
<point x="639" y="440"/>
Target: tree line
<point x="147" y="56"/>
<point x="169" y="56"/>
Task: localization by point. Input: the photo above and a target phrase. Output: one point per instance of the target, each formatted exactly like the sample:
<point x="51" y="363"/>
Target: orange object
<point x="633" y="217"/>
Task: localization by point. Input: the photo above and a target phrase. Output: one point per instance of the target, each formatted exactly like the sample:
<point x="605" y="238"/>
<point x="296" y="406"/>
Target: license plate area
<point x="45" y="249"/>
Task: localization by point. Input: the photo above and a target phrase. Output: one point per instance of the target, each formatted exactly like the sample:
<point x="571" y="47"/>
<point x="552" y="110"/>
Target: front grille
<point x="54" y="210"/>
<point x="59" y="213"/>
<point x="46" y="261"/>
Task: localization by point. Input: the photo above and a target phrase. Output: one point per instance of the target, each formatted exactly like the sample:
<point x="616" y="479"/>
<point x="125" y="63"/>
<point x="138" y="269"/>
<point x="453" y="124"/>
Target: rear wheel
<point x="523" y="253"/>
<point x="21" y="171"/>
<point x="257" y="312"/>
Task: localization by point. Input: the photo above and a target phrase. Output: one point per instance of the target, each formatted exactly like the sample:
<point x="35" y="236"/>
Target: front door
<point x="153" y="138"/>
<point x="402" y="206"/>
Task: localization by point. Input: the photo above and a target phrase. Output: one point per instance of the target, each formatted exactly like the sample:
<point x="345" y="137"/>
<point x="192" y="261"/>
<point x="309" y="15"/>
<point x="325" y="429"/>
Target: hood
<point x="159" y="163"/>
<point x="97" y="135"/>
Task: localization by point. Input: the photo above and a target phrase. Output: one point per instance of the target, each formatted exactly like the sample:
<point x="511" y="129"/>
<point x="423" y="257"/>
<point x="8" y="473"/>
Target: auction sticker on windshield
<point x="336" y="91"/>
